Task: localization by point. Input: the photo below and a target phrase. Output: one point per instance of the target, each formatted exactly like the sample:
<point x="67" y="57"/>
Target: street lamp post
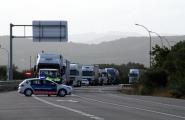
<point x="11" y="52"/>
<point x="159" y="37"/>
<point x="8" y="66"/>
<point x="150" y="40"/>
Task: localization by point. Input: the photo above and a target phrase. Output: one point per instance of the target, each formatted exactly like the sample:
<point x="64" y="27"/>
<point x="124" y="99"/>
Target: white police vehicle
<point x="43" y="87"/>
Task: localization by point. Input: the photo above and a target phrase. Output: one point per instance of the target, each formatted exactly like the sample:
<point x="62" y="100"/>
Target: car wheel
<point x="28" y="92"/>
<point x="62" y="92"/>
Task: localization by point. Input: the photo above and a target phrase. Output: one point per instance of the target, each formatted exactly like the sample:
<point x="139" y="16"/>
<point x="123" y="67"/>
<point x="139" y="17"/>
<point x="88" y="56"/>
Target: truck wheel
<point x="62" y="92"/>
<point x="28" y="92"/>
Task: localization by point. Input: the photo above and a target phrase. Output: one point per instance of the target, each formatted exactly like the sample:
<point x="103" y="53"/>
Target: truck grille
<point x="72" y="78"/>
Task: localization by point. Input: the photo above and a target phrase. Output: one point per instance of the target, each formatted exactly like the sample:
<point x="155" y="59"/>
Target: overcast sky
<point x="100" y="16"/>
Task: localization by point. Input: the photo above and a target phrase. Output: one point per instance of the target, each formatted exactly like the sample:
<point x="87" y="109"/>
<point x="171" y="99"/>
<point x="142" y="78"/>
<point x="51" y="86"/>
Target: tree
<point x="175" y="60"/>
<point x="173" y="63"/>
<point x="16" y="74"/>
<point x="3" y="73"/>
<point x="159" y="56"/>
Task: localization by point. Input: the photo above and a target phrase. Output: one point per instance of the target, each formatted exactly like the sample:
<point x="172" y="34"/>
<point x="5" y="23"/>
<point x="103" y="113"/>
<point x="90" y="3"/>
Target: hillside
<point x="134" y="49"/>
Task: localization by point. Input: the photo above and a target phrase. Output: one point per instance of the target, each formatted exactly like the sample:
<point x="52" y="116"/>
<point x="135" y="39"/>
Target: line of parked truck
<point x="54" y="67"/>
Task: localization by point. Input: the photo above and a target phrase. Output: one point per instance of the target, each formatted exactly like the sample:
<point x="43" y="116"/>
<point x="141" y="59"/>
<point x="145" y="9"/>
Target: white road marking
<point x="147" y="101"/>
<point x="137" y="108"/>
<point x="73" y="95"/>
<point x="69" y="109"/>
<point x="73" y="101"/>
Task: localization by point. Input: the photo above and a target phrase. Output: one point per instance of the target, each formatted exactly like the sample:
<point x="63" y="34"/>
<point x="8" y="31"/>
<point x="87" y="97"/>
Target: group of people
<point x="51" y="75"/>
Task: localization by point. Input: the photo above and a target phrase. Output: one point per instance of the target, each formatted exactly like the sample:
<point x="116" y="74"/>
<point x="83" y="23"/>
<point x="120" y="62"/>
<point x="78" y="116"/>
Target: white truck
<point x="66" y="72"/>
<point x="91" y="73"/>
<point x="76" y="74"/>
<point x="49" y="62"/>
<point x="113" y="75"/>
<point x="133" y="75"/>
<point x="103" y="77"/>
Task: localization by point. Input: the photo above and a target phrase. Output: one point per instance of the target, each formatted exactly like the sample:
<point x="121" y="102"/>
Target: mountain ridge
<point x="119" y="51"/>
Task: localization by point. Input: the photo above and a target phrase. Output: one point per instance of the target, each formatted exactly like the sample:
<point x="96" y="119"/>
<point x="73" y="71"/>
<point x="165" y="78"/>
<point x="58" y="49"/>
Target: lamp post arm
<point x="159" y="37"/>
<point x="143" y="27"/>
<point x="167" y="41"/>
<point x="150" y="41"/>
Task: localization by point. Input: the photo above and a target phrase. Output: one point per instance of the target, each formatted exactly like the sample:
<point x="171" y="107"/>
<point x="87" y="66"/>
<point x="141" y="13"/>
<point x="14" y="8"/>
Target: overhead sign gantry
<point x="42" y="31"/>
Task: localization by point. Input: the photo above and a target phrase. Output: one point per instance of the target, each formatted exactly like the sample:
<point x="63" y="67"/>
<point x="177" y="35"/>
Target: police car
<point x="43" y="87"/>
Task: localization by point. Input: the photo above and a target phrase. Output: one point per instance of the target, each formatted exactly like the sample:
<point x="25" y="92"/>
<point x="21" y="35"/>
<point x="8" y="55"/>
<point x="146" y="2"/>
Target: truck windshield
<point x="74" y="72"/>
<point x="111" y="72"/>
<point x="133" y="75"/>
<point x="87" y="73"/>
<point x="48" y="73"/>
<point x="48" y="65"/>
<point x="103" y="74"/>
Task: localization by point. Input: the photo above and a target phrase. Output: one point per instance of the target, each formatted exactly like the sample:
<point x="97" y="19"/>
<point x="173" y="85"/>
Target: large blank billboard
<point x="50" y="31"/>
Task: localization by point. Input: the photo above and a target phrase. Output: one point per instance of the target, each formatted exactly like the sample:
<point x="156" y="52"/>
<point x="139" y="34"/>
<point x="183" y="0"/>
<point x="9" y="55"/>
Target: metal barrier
<point x="126" y="86"/>
<point x="127" y="89"/>
<point x="9" y="85"/>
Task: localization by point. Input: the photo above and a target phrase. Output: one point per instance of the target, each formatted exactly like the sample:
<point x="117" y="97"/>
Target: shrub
<point x="152" y="80"/>
<point x="176" y="86"/>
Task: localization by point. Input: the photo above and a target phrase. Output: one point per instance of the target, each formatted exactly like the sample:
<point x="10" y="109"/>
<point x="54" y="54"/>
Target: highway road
<point x="90" y="103"/>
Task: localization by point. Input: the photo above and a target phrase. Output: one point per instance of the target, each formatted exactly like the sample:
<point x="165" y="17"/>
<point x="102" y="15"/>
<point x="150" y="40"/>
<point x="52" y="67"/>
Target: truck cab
<point x="111" y="72"/>
<point x="48" y="62"/>
<point x="76" y="74"/>
<point x="103" y="77"/>
<point x="91" y="73"/>
<point x="133" y="75"/>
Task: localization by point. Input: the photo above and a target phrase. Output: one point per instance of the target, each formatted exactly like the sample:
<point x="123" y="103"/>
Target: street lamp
<point x="167" y="42"/>
<point x="159" y="37"/>
<point x="149" y="38"/>
<point x="8" y="76"/>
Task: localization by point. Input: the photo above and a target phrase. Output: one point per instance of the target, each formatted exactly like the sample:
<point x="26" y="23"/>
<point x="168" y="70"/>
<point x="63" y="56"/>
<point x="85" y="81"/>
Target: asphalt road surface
<point x="90" y="103"/>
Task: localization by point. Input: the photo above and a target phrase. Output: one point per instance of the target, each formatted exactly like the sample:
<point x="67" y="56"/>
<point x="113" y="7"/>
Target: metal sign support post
<point x="11" y="53"/>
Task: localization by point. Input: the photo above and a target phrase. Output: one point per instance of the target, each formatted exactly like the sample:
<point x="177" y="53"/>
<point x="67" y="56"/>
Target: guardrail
<point x="127" y="89"/>
<point x="126" y="86"/>
<point x="9" y="85"/>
